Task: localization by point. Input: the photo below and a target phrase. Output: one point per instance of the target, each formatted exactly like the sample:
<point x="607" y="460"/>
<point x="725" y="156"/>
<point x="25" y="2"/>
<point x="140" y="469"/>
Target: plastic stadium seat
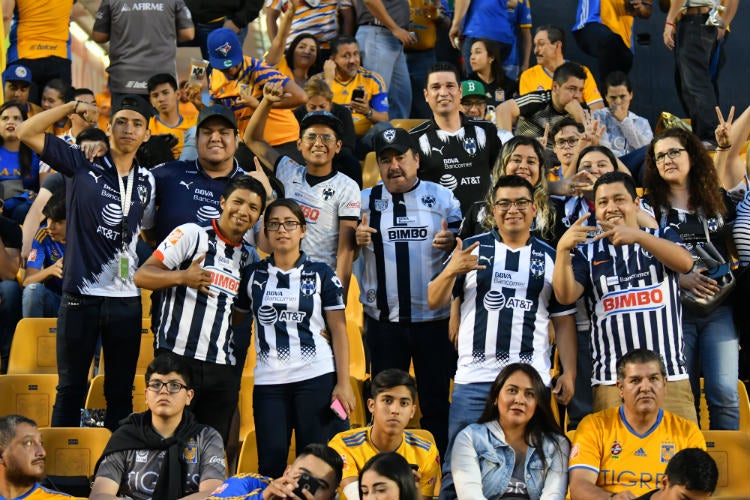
<point x="34" y="347"/>
<point x="407" y="123"/>
<point x="370" y="171"/>
<point x="95" y="398"/>
<point x="31" y="395"/>
<point x="146" y="303"/>
<point x="73" y="451"/>
<point x="731" y="451"/>
<point x="354" y="329"/>
<point x="744" y="408"/>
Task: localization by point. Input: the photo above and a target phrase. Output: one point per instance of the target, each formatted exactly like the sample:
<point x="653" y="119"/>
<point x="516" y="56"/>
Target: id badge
<point x="124" y="266"/>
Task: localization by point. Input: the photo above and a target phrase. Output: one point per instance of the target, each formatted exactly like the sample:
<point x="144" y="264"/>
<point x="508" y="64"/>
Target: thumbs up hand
<point x="444" y="239"/>
<point x="364" y="232"/>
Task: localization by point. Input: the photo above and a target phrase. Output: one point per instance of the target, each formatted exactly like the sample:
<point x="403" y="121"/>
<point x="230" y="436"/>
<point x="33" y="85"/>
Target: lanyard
<point x="125" y="196"/>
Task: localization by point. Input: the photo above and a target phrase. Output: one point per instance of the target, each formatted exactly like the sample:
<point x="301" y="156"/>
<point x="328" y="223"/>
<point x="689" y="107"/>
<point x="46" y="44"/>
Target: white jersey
<point x="324" y="201"/>
<point x="506" y="309"/>
<point x="400" y="260"/>
<point x="193" y="324"/>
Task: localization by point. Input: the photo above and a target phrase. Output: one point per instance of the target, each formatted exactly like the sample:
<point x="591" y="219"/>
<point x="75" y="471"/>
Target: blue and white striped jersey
<point x="400" y="260"/>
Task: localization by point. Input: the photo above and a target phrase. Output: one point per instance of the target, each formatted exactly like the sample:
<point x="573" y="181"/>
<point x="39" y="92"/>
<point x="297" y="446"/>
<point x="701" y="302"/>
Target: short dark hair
<point x="554" y="33"/>
<point x="62" y="87"/>
<point x="567" y="121"/>
<point x="159" y="79"/>
<point x="390" y="378"/>
<point x="568" y="70"/>
<point x="614" y="178"/>
<point x="638" y="356"/>
<point x="246" y="182"/>
<point x="81" y="91"/>
<point x="514" y="181"/>
<point x="694" y="469"/>
<point x="92" y="134"/>
<point x="8" y="425"/>
<point x="617" y="78"/>
<point x="397" y="469"/>
<point x="55" y="207"/>
<point x="168" y="362"/>
<point x="442" y="67"/>
<point x="340" y="40"/>
<point x="289" y="203"/>
<point x="328" y="455"/>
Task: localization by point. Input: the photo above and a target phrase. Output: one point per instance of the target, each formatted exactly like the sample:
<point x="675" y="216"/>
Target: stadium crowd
<point x="529" y="264"/>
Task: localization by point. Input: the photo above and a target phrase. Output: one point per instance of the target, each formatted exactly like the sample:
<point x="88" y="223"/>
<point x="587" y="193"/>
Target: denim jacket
<point x="482" y="464"/>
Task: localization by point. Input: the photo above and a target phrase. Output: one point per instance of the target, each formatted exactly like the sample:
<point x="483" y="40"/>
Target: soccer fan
<point x="408" y="226"/>
<point x="22" y="460"/>
<point x="44" y="268"/>
<point x="198" y="268"/>
<point x="530" y="113"/>
<point x="549" y="45"/>
<point x="619" y="453"/>
<point x="392" y="405"/>
<point x="320" y="19"/>
<point x="629" y="276"/>
<point x="691" y="475"/>
<point x="329" y="199"/>
<point x="163" y="452"/>
<point x="162" y="91"/>
<point x="454" y="151"/>
<point x="106" y="200"/>
<point x="317" y="469"/>
<point x="473" y="99"/>
<point x="17" y="87"/>
<point x="502" y="282"/>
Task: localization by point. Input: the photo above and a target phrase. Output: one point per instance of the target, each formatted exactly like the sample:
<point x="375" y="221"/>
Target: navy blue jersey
<point x="94" y="239"/>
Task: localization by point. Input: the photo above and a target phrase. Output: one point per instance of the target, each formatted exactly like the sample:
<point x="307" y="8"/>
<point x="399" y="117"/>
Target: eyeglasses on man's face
<point x="312" y="138"/>
<point x="521" y="204"/>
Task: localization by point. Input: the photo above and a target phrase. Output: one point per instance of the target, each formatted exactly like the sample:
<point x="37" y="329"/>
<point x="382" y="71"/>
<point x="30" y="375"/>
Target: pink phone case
<point x="338" y="409"/>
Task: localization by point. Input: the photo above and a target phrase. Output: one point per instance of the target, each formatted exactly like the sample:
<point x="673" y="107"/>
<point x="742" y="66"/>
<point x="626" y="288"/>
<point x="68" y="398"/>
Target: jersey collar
<point x="219" y="235"/>
<point x="659" y="418"/>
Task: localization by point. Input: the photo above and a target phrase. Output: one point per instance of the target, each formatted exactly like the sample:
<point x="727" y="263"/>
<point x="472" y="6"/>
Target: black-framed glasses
<point x="671" y="153"/>
<point x="289" y="225"/>
<point x="570" y="142"/>
<point x="312" y="138"/>
<point x="173" y="387"/>
<point x="521" y="204"/>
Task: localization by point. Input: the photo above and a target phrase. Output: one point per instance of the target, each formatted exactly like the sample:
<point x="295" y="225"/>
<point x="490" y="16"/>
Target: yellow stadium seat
<point x="744" y="408"/>
<point x="34" y="346"/>
<point x="248" y="461"/>
<point x="146" y="303"/>
<point x="354" y="330"/>
<point x="358" y="417"/>
<point x="407" y="123"/>
<point x="31" y="395"/>
<point x="731" y="451"/>
<point x="247" y="421"/>
<point x="370" y="171"/>
<point x="95" y="398"/>
<point x="73" y="451"/>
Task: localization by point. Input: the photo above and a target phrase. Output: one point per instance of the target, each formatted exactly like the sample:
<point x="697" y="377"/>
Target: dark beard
<point x="16" y="476"/>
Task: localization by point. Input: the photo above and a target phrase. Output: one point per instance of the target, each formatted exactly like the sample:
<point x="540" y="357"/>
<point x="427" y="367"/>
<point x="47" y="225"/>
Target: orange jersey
<point x="538" y="78"/>
<point x="156" y="126"/>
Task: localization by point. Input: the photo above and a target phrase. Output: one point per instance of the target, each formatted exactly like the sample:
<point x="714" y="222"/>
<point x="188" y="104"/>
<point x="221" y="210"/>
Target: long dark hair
<point x="703" y="181"/>
<point x="542" y="423"/>
<point x="317" y="65"/>
<point x="24" y="152"/>
<point x="397" y="469"/>
<point x="496" y="66"/>
<point x="601" y="149"/>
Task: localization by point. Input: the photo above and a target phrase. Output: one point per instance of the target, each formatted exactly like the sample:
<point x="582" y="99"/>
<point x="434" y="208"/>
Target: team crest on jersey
<point x="307" y="285"/>
<point x="645" y="253"/>
<point x="141" y="456"/>
<point x="328" y="192"/>
<point x="537" y="267"/>
<point x="381" y="205"/>
<point x="428" y="201"/>
<point x="667" y="452"/>
<point x="190" y="453"/>
<point x="389" y="135"/>
<point x="713" y="224"/>
<point x="336" y="281"/>
<point x="616" y="449"/>
<point x="371" y="295"/>
<point x="499" y="95"/>
<point x="470" y="145"/>
<point x="143" y="194"/>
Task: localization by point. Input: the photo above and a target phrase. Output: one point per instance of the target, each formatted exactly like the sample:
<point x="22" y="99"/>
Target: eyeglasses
<point x="173" y="387"/>
<point x="571" y="143"/>
<point x="522" y="204"/>
<point x="671" y="153"/>
<point x="289" y="225"/>
<point x="311" y="138"/>
<point x="473" y="104"/>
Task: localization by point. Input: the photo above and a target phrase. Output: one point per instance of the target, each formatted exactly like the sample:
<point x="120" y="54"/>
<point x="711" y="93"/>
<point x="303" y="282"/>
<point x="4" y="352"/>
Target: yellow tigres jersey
<point x="356" y="448"/>
<point x="321" y="20"/>
<point x="39" y="492"/>
<point x="157" y="127"/>
<point x="625" y="461"/>
<point x="43" y="30"/>
<point x="375" y="92"/>
<point x="537" y="78"/>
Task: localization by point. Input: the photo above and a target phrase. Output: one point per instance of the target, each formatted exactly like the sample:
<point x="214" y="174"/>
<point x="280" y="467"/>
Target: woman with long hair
<point x="299" y="372"/>
<point x="685" y="194"/>
<point x="516" y="447"/>
<point x="487" y="66"/>
<point x="388" y="476"/>
<point x="19" y="166"/>
<point x="300" y="60"/>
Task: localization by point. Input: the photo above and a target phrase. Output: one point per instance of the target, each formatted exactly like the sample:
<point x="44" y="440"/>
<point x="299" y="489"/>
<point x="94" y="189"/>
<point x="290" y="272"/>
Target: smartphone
<point x="338" y="409"/>
<point x="306" y="482"/>
<point x="358" y="94"/>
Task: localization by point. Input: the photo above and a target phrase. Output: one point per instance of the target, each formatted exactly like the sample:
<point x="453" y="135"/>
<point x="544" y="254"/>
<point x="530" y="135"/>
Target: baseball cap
<point x="394" y="138"/>
<point x="224" y="49"/>
<point x="322" y="118"/>
<point x="472" y="87"/>
<point x="135" y="103"/>
<point x="17" y="73"/>
<point x="219" y="111"/>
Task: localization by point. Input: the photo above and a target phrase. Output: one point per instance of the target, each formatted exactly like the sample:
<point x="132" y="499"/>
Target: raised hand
<point x="577" y="233"/>
<point x="724" y="129"/>
<point x="462" y="261"/>
<point x="364" y="232"/>
<point x="274" y="92"/>
<point x="545" y="137"/>
<point x="444" y="239"/>
<point x="259" y="174"/>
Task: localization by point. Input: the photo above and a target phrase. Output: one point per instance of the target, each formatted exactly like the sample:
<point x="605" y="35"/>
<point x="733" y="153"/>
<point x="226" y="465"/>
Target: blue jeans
<point x="384" y="54"/>
<point x="467" y="404"/>
<point x="40" y="302"/>
<point x="303" y="406"/>
<point x="711" y="348"/>
<point x="82" y="320"/>
<point x="10" y="314"/>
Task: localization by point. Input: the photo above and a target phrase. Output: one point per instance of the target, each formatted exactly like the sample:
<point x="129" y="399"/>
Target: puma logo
<point x="186" y="184"/>
<point x="439" y="150"/>
<point x="96" y="177"/>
